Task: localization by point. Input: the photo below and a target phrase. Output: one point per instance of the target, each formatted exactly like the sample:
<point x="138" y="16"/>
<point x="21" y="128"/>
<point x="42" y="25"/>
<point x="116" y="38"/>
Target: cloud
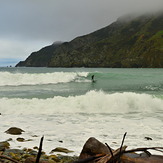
<point x="60" y="19"/>
<point x="27" y="24"/>
<point x="17" y="48"/>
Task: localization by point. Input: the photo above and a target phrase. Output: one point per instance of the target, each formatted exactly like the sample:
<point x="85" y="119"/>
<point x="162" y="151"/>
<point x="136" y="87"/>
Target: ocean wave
<point x="91" y="102"/>
<point x="17" y="79"/>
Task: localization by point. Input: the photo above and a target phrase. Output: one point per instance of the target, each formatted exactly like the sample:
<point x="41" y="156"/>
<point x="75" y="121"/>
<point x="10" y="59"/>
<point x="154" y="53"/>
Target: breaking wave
<point x="17" y="79"/>
<point x="91" y="102"/>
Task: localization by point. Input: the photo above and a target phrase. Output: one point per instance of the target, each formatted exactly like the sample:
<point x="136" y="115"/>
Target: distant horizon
<point x="8" y="62"/>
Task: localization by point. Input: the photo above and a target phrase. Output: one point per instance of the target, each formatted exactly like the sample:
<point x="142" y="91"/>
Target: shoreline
<point x="90" y="150"/>
<point x="29" y="155"/>
<point x="33" y="154"/>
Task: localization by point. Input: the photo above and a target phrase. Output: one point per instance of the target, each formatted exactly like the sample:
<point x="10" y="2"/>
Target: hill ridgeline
<point x="130" y="42"/>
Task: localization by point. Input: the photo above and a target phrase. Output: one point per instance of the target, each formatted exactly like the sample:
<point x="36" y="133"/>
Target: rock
<point x="30" y="160"/>
<point x="35" y="147"/>
<point x="4" y="145"/>
<point x="60" y="149"/>
<point x="147" y="138"/>
<point x="20" y="139"/>
<point x="54" y="158"/>
<point x="14" y="131"/>
<point x="68" y="159"/>
<point x="29" y="140"/>
<point x="33" y="160"/>
<point x="10" y="139"/>
<point x="138" y="159"/>
<point x="33" y="152"/>
<point x="35" y="136"/>
<point x="60" y="141"/>
<point x="15" y="151"/>
<point x="93" y="147"/>
<point x="15" y="154"/>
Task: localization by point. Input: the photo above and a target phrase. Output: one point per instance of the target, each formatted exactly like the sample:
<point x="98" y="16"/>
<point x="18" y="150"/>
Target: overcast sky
<point x="29" y="25"/>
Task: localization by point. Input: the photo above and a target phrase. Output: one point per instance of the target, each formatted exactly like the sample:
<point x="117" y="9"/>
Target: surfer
<point x="93" y="79"/>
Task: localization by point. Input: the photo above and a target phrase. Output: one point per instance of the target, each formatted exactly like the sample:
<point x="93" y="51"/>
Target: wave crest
<point x="91" y="102"/>
<point x="17" y="79"/>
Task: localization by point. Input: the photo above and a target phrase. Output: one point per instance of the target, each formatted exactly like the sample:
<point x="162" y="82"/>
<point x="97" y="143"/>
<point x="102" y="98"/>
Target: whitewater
<point x="67" y="108"/>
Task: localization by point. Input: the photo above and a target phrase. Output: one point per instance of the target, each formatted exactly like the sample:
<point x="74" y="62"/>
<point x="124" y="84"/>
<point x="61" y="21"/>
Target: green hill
<point x="128" y="42"/>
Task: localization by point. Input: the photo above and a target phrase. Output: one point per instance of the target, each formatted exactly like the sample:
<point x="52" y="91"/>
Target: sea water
<point x="65" y="106"/>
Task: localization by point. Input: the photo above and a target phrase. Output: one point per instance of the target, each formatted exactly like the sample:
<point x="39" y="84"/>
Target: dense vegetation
<point x="129" y="42"/>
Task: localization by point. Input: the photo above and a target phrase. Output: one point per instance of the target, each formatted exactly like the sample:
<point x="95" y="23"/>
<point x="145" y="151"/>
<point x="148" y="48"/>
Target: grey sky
<point x="29" y="25"/>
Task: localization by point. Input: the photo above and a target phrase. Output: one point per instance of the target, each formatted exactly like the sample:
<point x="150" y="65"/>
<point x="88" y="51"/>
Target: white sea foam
<point x="91" y="102"/>
<point x="16" y="79"/>
<point x="74" y="119"/>
<point x="66" y="112"/>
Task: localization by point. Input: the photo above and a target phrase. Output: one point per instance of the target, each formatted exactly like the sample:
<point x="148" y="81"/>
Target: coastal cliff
<point x="130" y="42"/>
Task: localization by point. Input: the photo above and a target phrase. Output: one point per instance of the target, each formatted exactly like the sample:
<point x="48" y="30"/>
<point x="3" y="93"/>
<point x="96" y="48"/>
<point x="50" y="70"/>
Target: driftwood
<point x="121" y="155"/>
<point x="8" y="158"/>
<point x="39" y="150"/>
